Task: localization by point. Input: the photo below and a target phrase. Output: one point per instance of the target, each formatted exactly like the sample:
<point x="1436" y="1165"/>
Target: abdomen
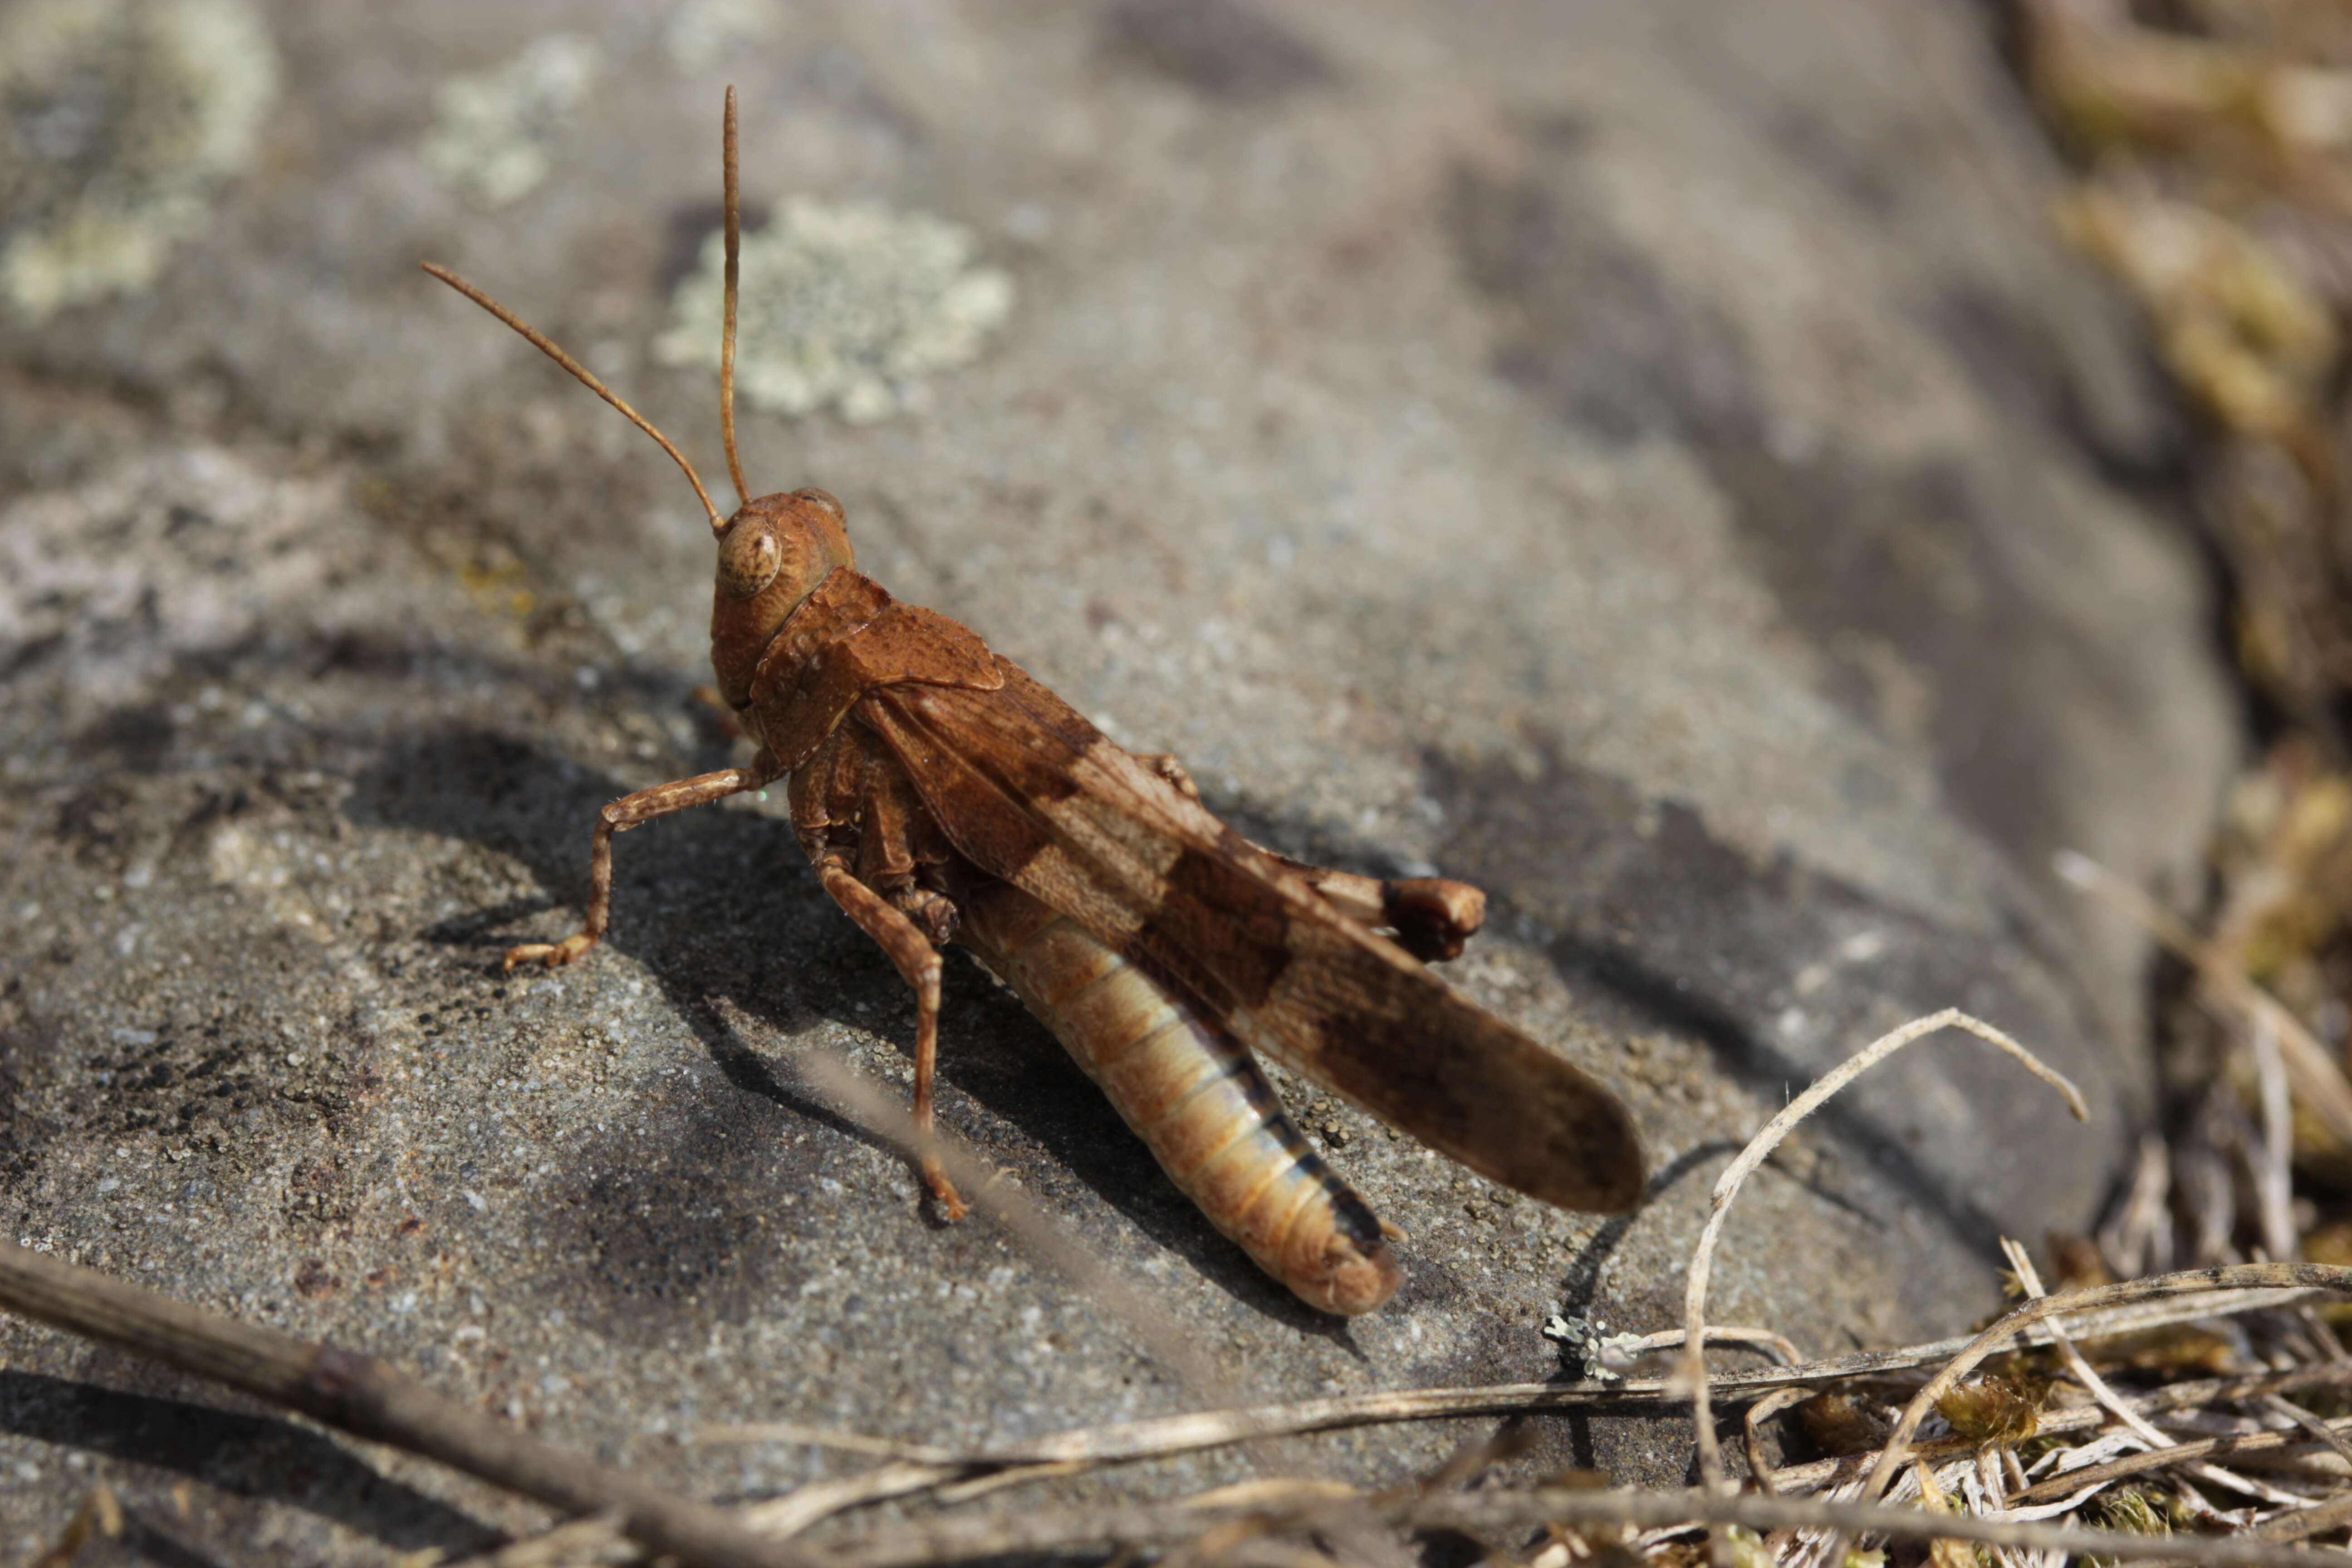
<point x="1197" y="1099"/>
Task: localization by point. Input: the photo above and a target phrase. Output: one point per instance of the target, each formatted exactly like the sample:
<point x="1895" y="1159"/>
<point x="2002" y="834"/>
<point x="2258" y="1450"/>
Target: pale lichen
<point x="118" y="121"/>
<point x="494" y="132"/>
<point x="842" y="305"/>
<point x="706" y="32"/>
<point x="1605" y="1356"/>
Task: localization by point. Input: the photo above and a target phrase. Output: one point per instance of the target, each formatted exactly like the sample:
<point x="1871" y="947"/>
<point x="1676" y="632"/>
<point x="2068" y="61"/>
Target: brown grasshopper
<point x="942" y="794"/>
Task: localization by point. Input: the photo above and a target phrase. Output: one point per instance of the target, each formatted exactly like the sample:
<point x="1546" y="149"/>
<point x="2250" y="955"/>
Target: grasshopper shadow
<point x="722" y="912"/>
<point x="1580" y="1284"/>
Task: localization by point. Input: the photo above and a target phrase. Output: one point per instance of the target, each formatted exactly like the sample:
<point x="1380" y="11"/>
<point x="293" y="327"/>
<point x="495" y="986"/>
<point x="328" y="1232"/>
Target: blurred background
<point x="1827" y="510"/>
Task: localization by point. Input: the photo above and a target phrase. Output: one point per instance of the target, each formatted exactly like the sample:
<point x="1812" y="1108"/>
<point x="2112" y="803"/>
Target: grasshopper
<point x="943" y="794"/>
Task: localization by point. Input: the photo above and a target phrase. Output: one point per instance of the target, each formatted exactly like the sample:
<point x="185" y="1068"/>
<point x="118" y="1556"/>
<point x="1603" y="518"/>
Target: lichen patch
<point x="847" y="305"/>
<point x="118" y="119"/>
<point x="705" y="34"/>
<point x="495" y="132"/>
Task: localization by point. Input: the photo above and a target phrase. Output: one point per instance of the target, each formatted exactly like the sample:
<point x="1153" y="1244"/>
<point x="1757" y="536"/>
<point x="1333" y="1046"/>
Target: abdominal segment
<point x="1197" y="1099"/>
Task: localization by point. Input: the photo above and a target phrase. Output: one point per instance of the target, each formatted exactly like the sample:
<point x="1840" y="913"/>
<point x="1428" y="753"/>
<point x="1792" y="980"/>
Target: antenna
<point x="727" y="332"/>
<point x="539" y="340"/>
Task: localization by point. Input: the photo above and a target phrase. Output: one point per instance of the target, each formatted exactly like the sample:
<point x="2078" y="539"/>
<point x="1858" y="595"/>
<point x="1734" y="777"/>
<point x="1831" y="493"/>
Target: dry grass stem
<point x="1481" y="1513"/>
<point x="2139" y="1240"/>
<point x="2331" y="1436"/>
<point x="1821" y="1474"/>
<point x="826" y="1438"/>
<point x="2311" y="1068"/>
<point x="2168" y="1453"/>
<point x="2333" y="1514"/>
<point x="1727" y="1185"/>
<point x="2133" y="1307"/>
<point x="2107" y="1399"/>
<point x="804" y="1506"/>
<point x="2273" y="1161"/>
<point x="965" y="1490"/>
<point x="2127" y="1307"/>
<point x="1779" y="1347"/>
<point x="2236" y="1275"/>
<point x="1752" y="1432"/>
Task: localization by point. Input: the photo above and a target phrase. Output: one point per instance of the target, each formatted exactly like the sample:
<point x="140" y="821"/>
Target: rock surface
<point x="1650" y="461"/>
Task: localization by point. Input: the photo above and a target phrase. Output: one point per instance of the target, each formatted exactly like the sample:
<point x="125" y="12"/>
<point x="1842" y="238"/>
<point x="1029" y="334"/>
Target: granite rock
<point x="1652" y="460"/>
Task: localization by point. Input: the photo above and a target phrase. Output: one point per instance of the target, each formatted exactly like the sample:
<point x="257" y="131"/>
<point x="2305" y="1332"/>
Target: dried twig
<point x="2135" y="1305"/>
<point x="2118" y="1308"/>
<point x="1752" y="1429"/>
<point x="593" y="1541"/>
<point x="2140" y="1239"/>
<point x="365" y="1396"/>
<point x="1723" y="1336"/>
<point x="1043" y="1531"/>
<point x="1124" y="1442"/>
<point x="2331" y="1436"/>
<point x="804" y="1506"/>
<point x="2131" y="1306"/>
<point x="2304" y="1523"/>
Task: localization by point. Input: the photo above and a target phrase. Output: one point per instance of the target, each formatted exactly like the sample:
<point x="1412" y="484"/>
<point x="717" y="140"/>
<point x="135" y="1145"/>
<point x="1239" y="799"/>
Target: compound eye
<point x="749" y="559"/>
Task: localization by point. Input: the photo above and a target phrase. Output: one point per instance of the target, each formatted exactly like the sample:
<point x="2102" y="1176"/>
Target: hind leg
<point x="918" y="962"/>
<point x="1432" y="916"/>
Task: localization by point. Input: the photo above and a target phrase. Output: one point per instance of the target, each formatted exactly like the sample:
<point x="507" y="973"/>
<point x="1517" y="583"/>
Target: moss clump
<point x="1995" y="1411"/>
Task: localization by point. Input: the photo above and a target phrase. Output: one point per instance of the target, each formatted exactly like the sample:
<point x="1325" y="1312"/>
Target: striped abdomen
<point x="1197" y="1099"/>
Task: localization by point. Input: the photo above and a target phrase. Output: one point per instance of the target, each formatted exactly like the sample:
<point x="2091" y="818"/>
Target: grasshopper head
<point x="772" y="553"/>
<point x="776" y="549"/>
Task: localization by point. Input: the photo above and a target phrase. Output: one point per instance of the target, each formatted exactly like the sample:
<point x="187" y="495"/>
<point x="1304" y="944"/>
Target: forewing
<point x="1029" y="791"/>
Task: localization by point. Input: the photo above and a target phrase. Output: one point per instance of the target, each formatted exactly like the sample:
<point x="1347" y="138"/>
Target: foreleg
<point x="619" y="818"/>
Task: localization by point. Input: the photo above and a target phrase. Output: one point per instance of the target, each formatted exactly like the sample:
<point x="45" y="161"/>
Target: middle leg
<point x="863" y="826"/>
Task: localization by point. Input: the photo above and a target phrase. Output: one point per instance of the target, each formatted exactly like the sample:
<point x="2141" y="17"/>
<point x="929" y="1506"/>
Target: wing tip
<point x="1595" y="1165"/>
<point x="1612" y="1183"/>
